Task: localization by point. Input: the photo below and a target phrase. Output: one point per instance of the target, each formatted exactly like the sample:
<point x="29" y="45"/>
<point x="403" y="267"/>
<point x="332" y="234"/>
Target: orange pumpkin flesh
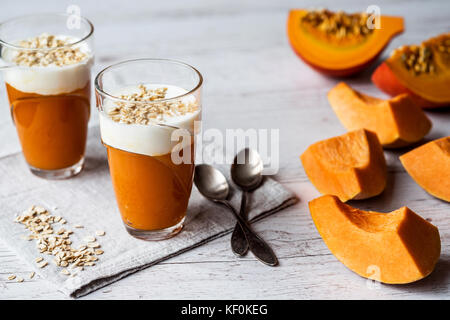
<point x="398" y="122"/>
<point x="397" y="247"/>
<point x="386" y="81"/>
<point x="339" y="59"/>
<point x="428" y="90"/>
<point x="350" y="166"/>
<point x="429" y="166"/>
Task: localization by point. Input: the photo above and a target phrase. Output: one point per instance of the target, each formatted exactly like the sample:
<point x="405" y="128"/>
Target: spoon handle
<point x="258" y="246"/>
<point x="239" y="243"/>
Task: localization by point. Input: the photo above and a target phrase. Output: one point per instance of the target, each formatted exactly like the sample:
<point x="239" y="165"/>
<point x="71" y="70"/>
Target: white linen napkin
<point x="88" y="200"/>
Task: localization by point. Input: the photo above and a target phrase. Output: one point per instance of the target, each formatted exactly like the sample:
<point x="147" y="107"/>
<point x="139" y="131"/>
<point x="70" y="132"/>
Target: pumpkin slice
<point x="351" y="166"/>
<point x="398" y="122"/>
<point x="339" y="44"/>
<point x="429" y="166"/>
<point x="421" y="71"/>
<point x="396" y="247"/>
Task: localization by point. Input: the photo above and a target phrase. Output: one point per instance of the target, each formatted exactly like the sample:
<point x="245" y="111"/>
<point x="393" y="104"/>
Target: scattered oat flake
<point x="58" y="52"/>
<point x="78" y="226"/>
<point x="19" y="279"/>
<point x="31" y="276"/>
<point x="12" y="277"/>
<point x="57" y="243"/>
<point x="146" y="106"/>
<point x="89" y="239"/>
<point x="65" y="271"/>
<point x="100" y="233"/>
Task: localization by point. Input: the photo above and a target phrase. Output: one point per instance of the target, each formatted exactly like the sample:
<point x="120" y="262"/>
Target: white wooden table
<point x="252" y="80"/>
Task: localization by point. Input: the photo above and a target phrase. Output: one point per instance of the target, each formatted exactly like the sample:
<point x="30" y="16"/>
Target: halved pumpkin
<point x="396" y="247"/>
<point x="345" y="54"/>
<point x="398" y="122"/>
<point x="350" y="166"/>
<point x="421" y="71"/>
<point x="429" y="166"/>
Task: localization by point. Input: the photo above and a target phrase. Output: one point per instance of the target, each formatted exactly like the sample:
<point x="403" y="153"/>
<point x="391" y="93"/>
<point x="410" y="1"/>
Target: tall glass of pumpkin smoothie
<point x="46" y="63"/>
<point x="149" y="110"/>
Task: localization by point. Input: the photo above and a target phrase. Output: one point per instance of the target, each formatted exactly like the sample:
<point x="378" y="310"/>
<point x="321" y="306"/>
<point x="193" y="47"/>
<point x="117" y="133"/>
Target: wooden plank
<point x="252" y="80"/>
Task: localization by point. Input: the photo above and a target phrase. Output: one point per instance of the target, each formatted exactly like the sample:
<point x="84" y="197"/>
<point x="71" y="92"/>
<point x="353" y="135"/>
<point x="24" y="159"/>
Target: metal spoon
<point x="246" y="172"/>
<point x="213" y="185"/>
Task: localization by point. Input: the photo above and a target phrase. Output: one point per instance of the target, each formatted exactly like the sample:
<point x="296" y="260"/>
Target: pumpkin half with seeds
<point x="337" y="43"/>
<point x="422" y="71"/>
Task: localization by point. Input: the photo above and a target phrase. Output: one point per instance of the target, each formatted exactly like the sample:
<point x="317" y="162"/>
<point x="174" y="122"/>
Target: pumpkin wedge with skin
<point x="397" y="247"/>
<point x="398" y="122"/>
<point x="339" y="53"/>
<point x="350" y="166"/>
<point x="429" y="166"/>
<point x="421" y="71"/>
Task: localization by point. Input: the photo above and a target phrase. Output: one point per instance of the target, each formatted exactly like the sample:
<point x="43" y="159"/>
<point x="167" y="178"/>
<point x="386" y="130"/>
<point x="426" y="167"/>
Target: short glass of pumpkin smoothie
<point x="47" y="69"/>
<point x="149" y="112"/>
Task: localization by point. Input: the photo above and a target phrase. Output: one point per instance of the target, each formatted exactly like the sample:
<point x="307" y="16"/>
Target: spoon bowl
<point x="246" y="170"/>
<point x="211" y="182"/>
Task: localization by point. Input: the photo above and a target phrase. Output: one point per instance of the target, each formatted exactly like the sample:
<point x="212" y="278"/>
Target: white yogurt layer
<point x="51" y="79"/>
<point x="150" y="139"/>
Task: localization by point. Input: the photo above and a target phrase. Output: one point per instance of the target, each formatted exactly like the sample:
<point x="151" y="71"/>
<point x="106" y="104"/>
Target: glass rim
<point x="17" y="47"/>
<point x="117" y="99"/>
